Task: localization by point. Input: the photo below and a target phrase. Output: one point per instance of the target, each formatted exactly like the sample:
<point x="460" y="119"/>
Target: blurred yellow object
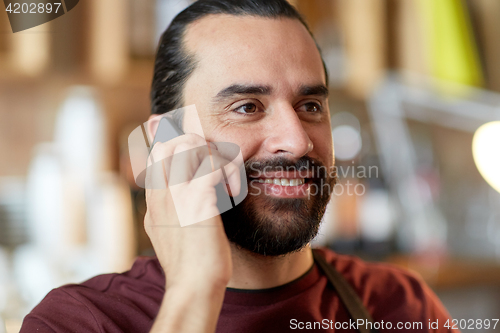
<point x="452" y="52"/>
<point x="486" y="152"/>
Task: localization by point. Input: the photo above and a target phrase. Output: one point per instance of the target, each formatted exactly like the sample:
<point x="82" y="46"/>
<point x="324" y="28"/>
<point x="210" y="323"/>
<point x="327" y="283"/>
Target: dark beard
<point x="273" y="226"/>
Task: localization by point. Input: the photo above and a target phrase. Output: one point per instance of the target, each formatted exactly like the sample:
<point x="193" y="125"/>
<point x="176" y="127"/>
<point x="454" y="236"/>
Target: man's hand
<point x="196" y="259"/>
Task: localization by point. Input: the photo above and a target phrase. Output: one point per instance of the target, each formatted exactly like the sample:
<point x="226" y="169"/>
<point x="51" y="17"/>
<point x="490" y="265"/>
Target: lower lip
<point x="298" y="191"/>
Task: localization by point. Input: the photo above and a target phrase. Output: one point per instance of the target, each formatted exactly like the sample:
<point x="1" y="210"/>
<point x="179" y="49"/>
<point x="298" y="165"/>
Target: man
<point x="257" y="79"/>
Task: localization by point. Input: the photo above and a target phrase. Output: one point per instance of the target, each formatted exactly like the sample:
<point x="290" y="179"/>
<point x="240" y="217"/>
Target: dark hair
<point x="173" y="65"/>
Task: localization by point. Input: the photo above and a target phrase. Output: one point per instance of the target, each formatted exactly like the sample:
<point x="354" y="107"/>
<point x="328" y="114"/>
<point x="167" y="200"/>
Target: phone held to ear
<point x="169" y="127"/>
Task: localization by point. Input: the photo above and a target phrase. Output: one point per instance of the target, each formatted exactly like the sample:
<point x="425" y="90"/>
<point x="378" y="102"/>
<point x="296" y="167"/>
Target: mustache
<point x="316" y="168"/>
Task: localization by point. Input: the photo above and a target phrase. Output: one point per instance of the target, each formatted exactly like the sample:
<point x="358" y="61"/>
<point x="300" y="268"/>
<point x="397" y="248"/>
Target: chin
<point x="273" y="227"/>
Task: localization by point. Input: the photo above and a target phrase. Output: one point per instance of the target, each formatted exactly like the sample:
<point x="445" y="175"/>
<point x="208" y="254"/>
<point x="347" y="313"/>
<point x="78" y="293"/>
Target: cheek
<point x="248" y="140"/>
<point x="323" y="146"/>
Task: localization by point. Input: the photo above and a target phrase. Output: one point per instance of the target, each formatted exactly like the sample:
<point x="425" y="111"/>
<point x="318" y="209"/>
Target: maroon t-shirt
<point x="130" y="301"/>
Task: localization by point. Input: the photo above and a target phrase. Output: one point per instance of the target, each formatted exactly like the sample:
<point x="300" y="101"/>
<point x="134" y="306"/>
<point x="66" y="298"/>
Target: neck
<point x="254" y="271"/>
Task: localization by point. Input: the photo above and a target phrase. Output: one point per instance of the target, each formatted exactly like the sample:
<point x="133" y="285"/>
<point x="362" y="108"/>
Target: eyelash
<point x="244" y="113"/>
<point x="317" y="105"/>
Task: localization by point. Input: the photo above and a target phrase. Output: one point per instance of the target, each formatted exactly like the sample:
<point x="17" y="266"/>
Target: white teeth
<point x="283" y="181"/>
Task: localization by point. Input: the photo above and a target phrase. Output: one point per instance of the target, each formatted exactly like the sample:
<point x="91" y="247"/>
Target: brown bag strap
<point x="346" y="294"/>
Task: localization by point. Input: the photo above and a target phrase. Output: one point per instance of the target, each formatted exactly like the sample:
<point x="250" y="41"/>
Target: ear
<point x="152" y="126"/>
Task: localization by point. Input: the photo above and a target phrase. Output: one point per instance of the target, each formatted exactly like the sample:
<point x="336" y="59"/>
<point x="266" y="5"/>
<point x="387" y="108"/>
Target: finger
<point x="212" y="146"/>
<point x="185" y="162"/>
<point x="164" y="150"/>
<point x="233" y="174"/>
<point x="230" y="151"/>
<point x="210" y="169"/>
<point x="225" y="172"/>
<point x="155" y="174"/>
<point x="231" y="169"/>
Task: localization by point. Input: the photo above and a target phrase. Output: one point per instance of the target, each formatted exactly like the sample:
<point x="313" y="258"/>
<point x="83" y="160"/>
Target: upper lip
<point x="282" y="174"/>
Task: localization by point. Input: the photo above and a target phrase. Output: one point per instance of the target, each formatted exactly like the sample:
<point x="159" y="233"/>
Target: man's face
<point x="260" y="83"/>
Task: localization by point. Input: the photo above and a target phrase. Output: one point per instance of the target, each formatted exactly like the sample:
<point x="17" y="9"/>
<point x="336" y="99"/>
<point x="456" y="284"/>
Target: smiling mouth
<point x="282" y="181"/>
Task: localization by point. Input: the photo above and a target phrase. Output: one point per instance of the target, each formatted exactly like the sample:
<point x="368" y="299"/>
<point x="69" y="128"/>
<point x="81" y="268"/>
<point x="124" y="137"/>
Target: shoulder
<point x="96" y="302"/>
<point x="388" y="291"/>
<point x="376" y="276"/>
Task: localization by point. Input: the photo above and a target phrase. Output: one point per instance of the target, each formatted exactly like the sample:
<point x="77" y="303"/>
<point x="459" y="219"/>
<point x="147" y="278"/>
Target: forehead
<point x="249" y="49"/>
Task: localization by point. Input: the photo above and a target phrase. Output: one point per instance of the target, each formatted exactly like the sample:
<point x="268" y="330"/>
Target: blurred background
<point x="415" y="102"/>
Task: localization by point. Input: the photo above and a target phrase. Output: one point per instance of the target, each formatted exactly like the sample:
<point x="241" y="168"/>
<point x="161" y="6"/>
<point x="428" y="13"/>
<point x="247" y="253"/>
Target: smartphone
<point x="170" y="127"/>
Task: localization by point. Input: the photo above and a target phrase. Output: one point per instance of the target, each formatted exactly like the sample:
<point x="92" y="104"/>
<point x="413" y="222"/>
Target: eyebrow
<point x="318" y="90"/>
<point x="241" y="89"/>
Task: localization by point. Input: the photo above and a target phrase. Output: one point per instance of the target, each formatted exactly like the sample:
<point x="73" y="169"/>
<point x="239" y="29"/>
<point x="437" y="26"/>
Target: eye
<point x="246" y="108"/>
<point x="311" y="107"/>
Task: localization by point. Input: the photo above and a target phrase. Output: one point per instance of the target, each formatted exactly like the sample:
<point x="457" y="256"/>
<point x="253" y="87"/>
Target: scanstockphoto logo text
<point x="350" y="179"/>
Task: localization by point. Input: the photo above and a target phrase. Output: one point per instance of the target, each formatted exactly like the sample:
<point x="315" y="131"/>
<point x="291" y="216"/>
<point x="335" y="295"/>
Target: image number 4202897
<point x="33" y="8"/>
<point x="26" y="14"/>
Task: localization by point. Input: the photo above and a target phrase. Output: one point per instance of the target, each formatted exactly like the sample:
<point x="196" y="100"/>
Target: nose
<point x="287" y="135"/>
